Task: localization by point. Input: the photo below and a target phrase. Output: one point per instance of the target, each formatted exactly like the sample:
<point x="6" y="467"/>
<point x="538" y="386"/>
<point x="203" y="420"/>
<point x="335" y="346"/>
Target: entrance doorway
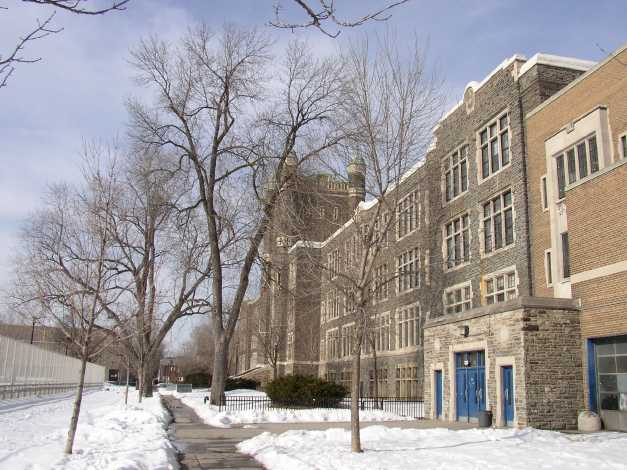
<point x="469" y="385"/>
<point x="507" y="395"/>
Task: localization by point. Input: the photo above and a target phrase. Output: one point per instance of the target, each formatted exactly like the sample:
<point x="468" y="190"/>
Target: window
<point x="458" y="299"/>
<point x="498" y="222"/>
<point x="381" y="282"/>
<point x="352" y="248"/>
<point x="623" y="145"/>
<point x="457" y="241"/>
<point x="576" y="162"/>
<point x="408" y="270"/>
<point x="290" y="346"/>
<point x="544" y="194"/>
<point x="611" y="365"/>
<point x="427" y="268"/>
<point x="407" y="214"/>
<point x="336" y="214"/>
<point x="382" y="332"/>
<point x="456" y="173"/>
<point x="565" y="256"/>
<point x="548" y="267"/>
<point x="494" y="140"/>
<point x="406" y="381"/>
<point x="408" y="322"/>
<point x="347" y="340"/>
<point x="333" y="304"/>
<point x="333" y="344"/>
<point x="334" y="262"/>
<point x="500" y="287"/>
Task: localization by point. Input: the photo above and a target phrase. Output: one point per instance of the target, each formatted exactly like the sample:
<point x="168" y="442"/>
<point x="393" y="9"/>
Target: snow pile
<point x="110" y="436"/>
<point x="394" y="448"/>
<point x="224" y="419"/>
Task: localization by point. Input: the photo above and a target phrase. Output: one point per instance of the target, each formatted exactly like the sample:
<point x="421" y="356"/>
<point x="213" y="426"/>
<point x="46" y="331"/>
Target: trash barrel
<point x="485" y="419"/>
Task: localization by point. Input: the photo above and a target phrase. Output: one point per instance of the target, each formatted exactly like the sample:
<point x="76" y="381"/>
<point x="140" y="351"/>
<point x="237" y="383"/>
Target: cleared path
<point x="205" y="447"/>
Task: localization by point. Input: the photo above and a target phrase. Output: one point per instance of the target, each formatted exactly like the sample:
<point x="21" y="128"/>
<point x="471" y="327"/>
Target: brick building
<point x="507" y="288"/>
<point x="577" y="186"/>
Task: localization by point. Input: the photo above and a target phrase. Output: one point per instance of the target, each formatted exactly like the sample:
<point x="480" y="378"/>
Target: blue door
<point x="508" y="395"/>
<point x="438" y="394"/>
<point x="469" y="384"/>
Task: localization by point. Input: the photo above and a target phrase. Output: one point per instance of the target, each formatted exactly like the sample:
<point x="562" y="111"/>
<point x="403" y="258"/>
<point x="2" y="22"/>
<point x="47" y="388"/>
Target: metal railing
<point x="17" y="391"/>
<point x="406" y="407"/>
<point x="27" y="370"/>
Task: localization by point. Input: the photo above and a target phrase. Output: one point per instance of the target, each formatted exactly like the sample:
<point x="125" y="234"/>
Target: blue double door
<point x="469" y="385"/>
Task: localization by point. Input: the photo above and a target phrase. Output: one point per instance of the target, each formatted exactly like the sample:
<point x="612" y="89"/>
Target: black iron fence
<point x="406" y="407"/>
<point x="15" y="391"/>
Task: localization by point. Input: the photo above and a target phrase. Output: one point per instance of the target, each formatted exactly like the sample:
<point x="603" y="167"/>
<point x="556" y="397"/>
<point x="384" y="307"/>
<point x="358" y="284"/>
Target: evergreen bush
<point x="305" y="391"/>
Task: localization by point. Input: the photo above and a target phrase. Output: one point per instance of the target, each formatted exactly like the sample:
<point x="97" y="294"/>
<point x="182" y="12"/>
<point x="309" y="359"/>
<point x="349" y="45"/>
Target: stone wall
<point x="539" y="338"/>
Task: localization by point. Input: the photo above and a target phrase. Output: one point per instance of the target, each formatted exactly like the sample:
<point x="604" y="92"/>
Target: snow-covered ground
<point x="110" y="436"/>
<point x="210" y="414"/>
<point x="394" y="448"/>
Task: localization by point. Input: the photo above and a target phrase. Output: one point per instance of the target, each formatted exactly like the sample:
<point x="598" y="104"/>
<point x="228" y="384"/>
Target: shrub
<point x="305" y="391"/>
<point x="198" y="379"/>
<point x="236" y="383"/>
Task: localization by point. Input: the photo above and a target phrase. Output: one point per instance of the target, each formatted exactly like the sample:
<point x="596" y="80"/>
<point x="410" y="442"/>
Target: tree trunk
<point x="376" y="374"/>
<point x="128" y="375"/>
<point x="140" y="382"/>
<point x="76" y="410"/>
<point x="147" y="382"/>
<point x="355" y="434"/>
<point x="218" y="380"/>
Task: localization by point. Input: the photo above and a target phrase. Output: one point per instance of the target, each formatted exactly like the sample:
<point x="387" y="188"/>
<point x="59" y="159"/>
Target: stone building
<point x="507" y="290"/>
<point x="482" y="347"/>
<point x="577" y="186"/>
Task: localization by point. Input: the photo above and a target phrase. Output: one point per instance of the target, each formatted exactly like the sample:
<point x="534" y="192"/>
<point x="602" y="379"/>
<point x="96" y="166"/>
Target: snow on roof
<point x="305" y="244"/>
<point x="557" y="61"/>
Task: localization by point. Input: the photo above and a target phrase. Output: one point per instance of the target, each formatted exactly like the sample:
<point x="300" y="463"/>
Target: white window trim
<point x="444" y="251"/>
<point x="549" y="252"/>
<point x="494" y="274"/>
<point x="417" y="204"/>
<point x="397" y="336"/>
<point x="443" y="180"/>
<point x="460" y="285"/>
<point x="482" y="252"/>
<point x="496" y="117"/>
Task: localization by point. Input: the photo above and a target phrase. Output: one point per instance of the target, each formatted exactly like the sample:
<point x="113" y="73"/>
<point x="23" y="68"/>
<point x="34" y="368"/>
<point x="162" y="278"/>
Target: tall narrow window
<point x="549" y="268"/>
<point x="407" y="214"/>
<point x="565" y="256"/>
<point x="456" y="173"/>
<point x="495" y="146"/>
<point x="543" y="189"/>
<point x="623" y="144"/>
<point x="561" y="177"/>
<point x="594" y="156"/>
<point x="457" y="241"/>
<point x="498" y="222"/>
<point x="583" y="160"/>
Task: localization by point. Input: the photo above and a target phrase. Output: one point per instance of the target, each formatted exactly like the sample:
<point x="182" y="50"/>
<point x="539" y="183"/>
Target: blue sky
<point x="78" y="90"/>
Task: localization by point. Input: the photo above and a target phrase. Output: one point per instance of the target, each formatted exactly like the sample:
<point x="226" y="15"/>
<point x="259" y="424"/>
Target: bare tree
<point x="270" y="339"/>
<point x="392" y="101"/>
<point x="322" y="14"/>
<point x="62" y="273"/>
<point x="234" y="134"/>
<point x="46" y="27"/>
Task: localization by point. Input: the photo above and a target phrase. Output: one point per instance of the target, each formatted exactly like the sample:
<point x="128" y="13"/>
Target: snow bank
<point x="224" y="419"/>
<point x="394" y="448"/>
<point x="110" y="436"/>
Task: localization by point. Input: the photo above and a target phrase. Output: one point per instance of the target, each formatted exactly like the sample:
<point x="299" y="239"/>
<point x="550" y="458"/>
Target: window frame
<point x="548" y="267"/>
<point x="622" y="144"/>
<point x="504" y="273"/>
<point x="452" y="164"/>
<point x="563" y="178"/>
<point x="490" y="140"/>
<point x="408" y="270"/>
<point x="464" y="257"/>
<point x="408" y="319"/>
<point x="544" y="193"/>
<point x="408" y="214"/>
<point x="492" y="217"/>
<point x="461" y="287"/>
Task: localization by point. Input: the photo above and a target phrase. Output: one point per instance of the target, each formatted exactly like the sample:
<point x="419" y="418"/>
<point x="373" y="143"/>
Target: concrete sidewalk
<point x="203" y="447"/>
<point x="207" y="447"/>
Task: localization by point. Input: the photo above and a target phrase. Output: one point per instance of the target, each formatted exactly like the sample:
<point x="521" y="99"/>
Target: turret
<point x="357" y="181"/>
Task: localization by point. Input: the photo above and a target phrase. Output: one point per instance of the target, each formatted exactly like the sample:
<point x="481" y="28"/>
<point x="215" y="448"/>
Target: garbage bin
<point x="485" y="418"/>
